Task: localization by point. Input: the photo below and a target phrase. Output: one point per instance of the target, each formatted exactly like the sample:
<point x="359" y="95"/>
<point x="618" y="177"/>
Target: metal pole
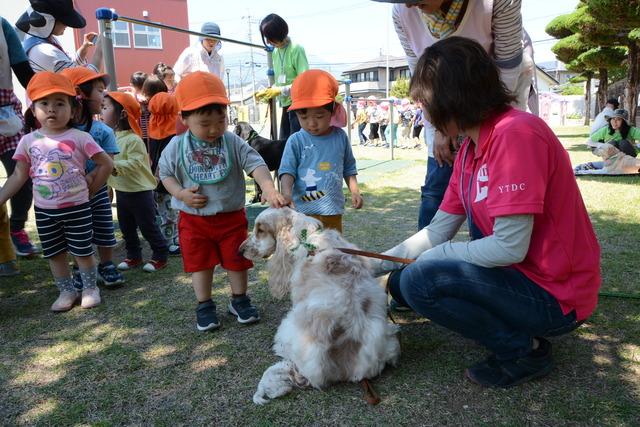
<point x="272" y="102"/>
<point x="390" y="127"/>
<point x="105" y="17"/>
<point x="228" y="84"/>
<point x="241" y="88"/>
<point x="347" y="100"/>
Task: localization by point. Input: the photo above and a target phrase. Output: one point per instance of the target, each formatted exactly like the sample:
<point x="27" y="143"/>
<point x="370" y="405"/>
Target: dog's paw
<point x="260" y="399"/>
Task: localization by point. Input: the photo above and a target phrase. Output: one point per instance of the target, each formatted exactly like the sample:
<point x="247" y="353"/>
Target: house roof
<point x="543" y="71"/>
<point x="379" y="62"/>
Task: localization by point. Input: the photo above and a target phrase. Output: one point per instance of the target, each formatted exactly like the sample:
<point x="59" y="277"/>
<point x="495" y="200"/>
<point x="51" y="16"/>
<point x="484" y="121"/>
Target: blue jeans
<point x="500" y="308"/>
<point x="435" y="184"/>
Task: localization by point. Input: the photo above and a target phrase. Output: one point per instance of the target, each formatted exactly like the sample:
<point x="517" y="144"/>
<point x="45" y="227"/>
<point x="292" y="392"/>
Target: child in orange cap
<point x="203" y="169"/>
<point x="90" y="87"/>
<point x="55" y="156"/>
<point x="317" y="158"/>
<point x="162" y="128"/>
<point x="134" y="184"/>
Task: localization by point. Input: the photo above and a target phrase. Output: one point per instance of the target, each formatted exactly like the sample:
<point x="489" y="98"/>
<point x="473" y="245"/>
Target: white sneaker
<point x="90" y="297"/>
<point x="65" y="302"/>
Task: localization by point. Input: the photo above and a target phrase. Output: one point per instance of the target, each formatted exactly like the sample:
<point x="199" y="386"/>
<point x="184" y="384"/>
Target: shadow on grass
<point x="633" y="180"/>
<point x="137" y="359"/>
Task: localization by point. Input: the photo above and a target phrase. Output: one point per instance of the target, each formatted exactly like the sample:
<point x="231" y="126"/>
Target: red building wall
<point x="129" y="60"/>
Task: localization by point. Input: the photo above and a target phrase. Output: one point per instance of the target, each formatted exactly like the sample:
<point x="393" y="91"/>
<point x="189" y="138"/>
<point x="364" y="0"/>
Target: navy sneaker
<point x="508" y="373"/>
<point x="242" y="308"/>
<point x="206" y="316"/>
<point x="174" y="250"/>
<point x="109" y="275"/>
<point x="22" y="244"/>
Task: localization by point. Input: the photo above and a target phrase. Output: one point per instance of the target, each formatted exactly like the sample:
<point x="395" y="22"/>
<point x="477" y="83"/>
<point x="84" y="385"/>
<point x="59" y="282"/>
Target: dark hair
<point x="274" y="28"/>
<point x="624" y="129"/>
<point x="161" y="70"/>
<point x="614" y="102"/>
<point x="153" y="85"/>
<point x="137" y="79"/>
<point x="123" y="122"/>
<point x="456" y="79"/>
<point x="206" y="109"/>
<point x="329" y="107"/>
<point x="86" y="116"/>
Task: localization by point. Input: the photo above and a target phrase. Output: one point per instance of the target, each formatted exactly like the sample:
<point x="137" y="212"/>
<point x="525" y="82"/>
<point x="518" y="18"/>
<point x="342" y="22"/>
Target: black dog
<point x="270" y="150"/>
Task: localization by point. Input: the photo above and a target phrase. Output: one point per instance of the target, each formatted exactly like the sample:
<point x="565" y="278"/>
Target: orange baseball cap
<point x="199" y="89"/>
<point x="164" y="112"/>
<point x="80" y="75"/>
<point x="46" y="83"/>
<point x="131" y="106"/>
<point x="312" y="89"/>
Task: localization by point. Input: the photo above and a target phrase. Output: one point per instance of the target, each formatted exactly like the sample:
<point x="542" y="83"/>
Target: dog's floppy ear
<point x="281" y="263"/>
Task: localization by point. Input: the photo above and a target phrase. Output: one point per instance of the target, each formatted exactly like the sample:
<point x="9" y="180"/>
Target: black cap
<point x="62" y="10"/>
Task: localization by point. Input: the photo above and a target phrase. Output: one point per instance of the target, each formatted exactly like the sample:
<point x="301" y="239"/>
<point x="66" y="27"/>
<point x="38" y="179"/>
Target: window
<point x="121" y="34"/>
<point x="147" y="37"/>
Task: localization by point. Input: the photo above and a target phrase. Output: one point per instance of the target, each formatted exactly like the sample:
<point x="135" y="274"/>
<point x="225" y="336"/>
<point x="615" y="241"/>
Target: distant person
<point x="137" y="80"/>
<point x="601" y="119"/>
<point x="166" y="74"/>
<point x="202" y="56"/>
<point x="11" y="130"/>
<point x="289" y="61"/>
<point x="361" y="121"/>
<point x="618" y="133"/>
<point x="152" y="86"/>
<point x="45" y="20"/>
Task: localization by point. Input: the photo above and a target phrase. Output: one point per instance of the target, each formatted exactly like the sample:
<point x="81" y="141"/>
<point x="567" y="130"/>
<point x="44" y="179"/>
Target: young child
<point x="166" y="74"/>
<point x="203" y="171"/>
<point x="162" y="128"/>
<point x="137" y="81"/>
<point x="152" y="85"/>
<point x="318" y="157"/>
<point x="134" y="183"/>
<point x="90" y="87"/>
<point x="55" y="157"/>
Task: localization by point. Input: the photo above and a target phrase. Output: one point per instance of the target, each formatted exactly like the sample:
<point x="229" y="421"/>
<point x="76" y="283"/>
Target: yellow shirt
<point x="131" y="165"/>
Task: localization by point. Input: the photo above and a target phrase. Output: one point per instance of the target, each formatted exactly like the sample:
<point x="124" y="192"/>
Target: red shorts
<point x="206" y="241"/>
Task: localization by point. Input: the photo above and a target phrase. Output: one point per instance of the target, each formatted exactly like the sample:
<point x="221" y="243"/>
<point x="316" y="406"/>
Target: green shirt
<point x="131" y="165"/>
<point x="602" y="134"/>
<point x="289" y="61"/>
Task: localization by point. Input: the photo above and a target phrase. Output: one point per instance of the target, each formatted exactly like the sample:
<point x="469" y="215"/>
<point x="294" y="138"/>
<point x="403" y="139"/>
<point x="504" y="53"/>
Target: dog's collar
<point x="252" y="135"/>
<point x="304" y="242"/>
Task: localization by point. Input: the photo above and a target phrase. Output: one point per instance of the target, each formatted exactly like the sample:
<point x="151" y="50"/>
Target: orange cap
<point x="79" y="75"/>
<point x="199" y="89"/>
<point x="164" y="111"/>
<point x="131" y="106"/>
<point x="312" y="89"/>
<point x="45" y="83"/>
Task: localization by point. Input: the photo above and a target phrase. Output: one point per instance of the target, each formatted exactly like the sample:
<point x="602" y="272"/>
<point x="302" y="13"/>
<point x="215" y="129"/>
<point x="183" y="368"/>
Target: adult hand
<point x="268" y="93"/>
<point x="90" y="39"/>
<point x="442" y="149"/>
<point x="192" y="198"/>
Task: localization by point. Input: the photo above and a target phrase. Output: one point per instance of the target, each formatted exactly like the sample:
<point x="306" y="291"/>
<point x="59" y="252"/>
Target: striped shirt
<point x="49" y="56"/>
<point x="506" y="28"/>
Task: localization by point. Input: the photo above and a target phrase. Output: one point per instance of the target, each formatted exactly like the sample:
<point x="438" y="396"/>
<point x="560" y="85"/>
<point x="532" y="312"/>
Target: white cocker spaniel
<point x="337" y="328"/>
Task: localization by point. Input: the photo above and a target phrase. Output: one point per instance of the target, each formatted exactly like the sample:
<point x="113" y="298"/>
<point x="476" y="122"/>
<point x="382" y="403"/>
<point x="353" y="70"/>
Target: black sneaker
<point x="206" y="316"/>
<point x="242" y="308"/>
<point x="109" y="275"/>
<point x="396" y="306"/>
<point x="507" y="373"/>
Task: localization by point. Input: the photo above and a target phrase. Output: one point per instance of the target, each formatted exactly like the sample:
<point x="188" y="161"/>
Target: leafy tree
<point x="400" y="89"/>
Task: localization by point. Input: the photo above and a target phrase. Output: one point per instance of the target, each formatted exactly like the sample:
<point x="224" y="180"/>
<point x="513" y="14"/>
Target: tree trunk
<point x="587" y="99"/>
<point x="631" y="100"/>
<point x="603" y="88"/>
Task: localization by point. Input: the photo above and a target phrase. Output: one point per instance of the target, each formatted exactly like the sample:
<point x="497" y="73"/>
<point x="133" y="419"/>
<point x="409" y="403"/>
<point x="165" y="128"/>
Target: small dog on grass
<point x="270" y="150"/>
<point x="337" y="328"/>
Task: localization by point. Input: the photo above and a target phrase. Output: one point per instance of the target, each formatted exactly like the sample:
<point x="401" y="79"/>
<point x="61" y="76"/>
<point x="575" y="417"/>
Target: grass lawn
<point x="137" y="358"/>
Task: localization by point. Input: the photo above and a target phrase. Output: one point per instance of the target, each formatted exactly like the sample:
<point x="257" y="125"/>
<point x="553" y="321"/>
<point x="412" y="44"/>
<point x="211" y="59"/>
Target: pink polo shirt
<point x="520" y="167"/>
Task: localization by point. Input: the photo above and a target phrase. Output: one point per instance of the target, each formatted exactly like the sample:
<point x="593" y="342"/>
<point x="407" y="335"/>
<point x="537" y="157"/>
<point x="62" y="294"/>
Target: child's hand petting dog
<point x="192" y="198"/>
<point x="274" y="198"/>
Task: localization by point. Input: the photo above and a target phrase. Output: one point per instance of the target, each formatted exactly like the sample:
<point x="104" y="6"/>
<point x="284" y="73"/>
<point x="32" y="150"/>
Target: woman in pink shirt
<point x="532" y="266"/>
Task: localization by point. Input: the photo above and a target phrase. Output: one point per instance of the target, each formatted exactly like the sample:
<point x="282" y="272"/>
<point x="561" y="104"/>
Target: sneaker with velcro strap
<point x="109" y="275"/>
<point x="206" y="317"/>
<point x="244" y="311"/>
